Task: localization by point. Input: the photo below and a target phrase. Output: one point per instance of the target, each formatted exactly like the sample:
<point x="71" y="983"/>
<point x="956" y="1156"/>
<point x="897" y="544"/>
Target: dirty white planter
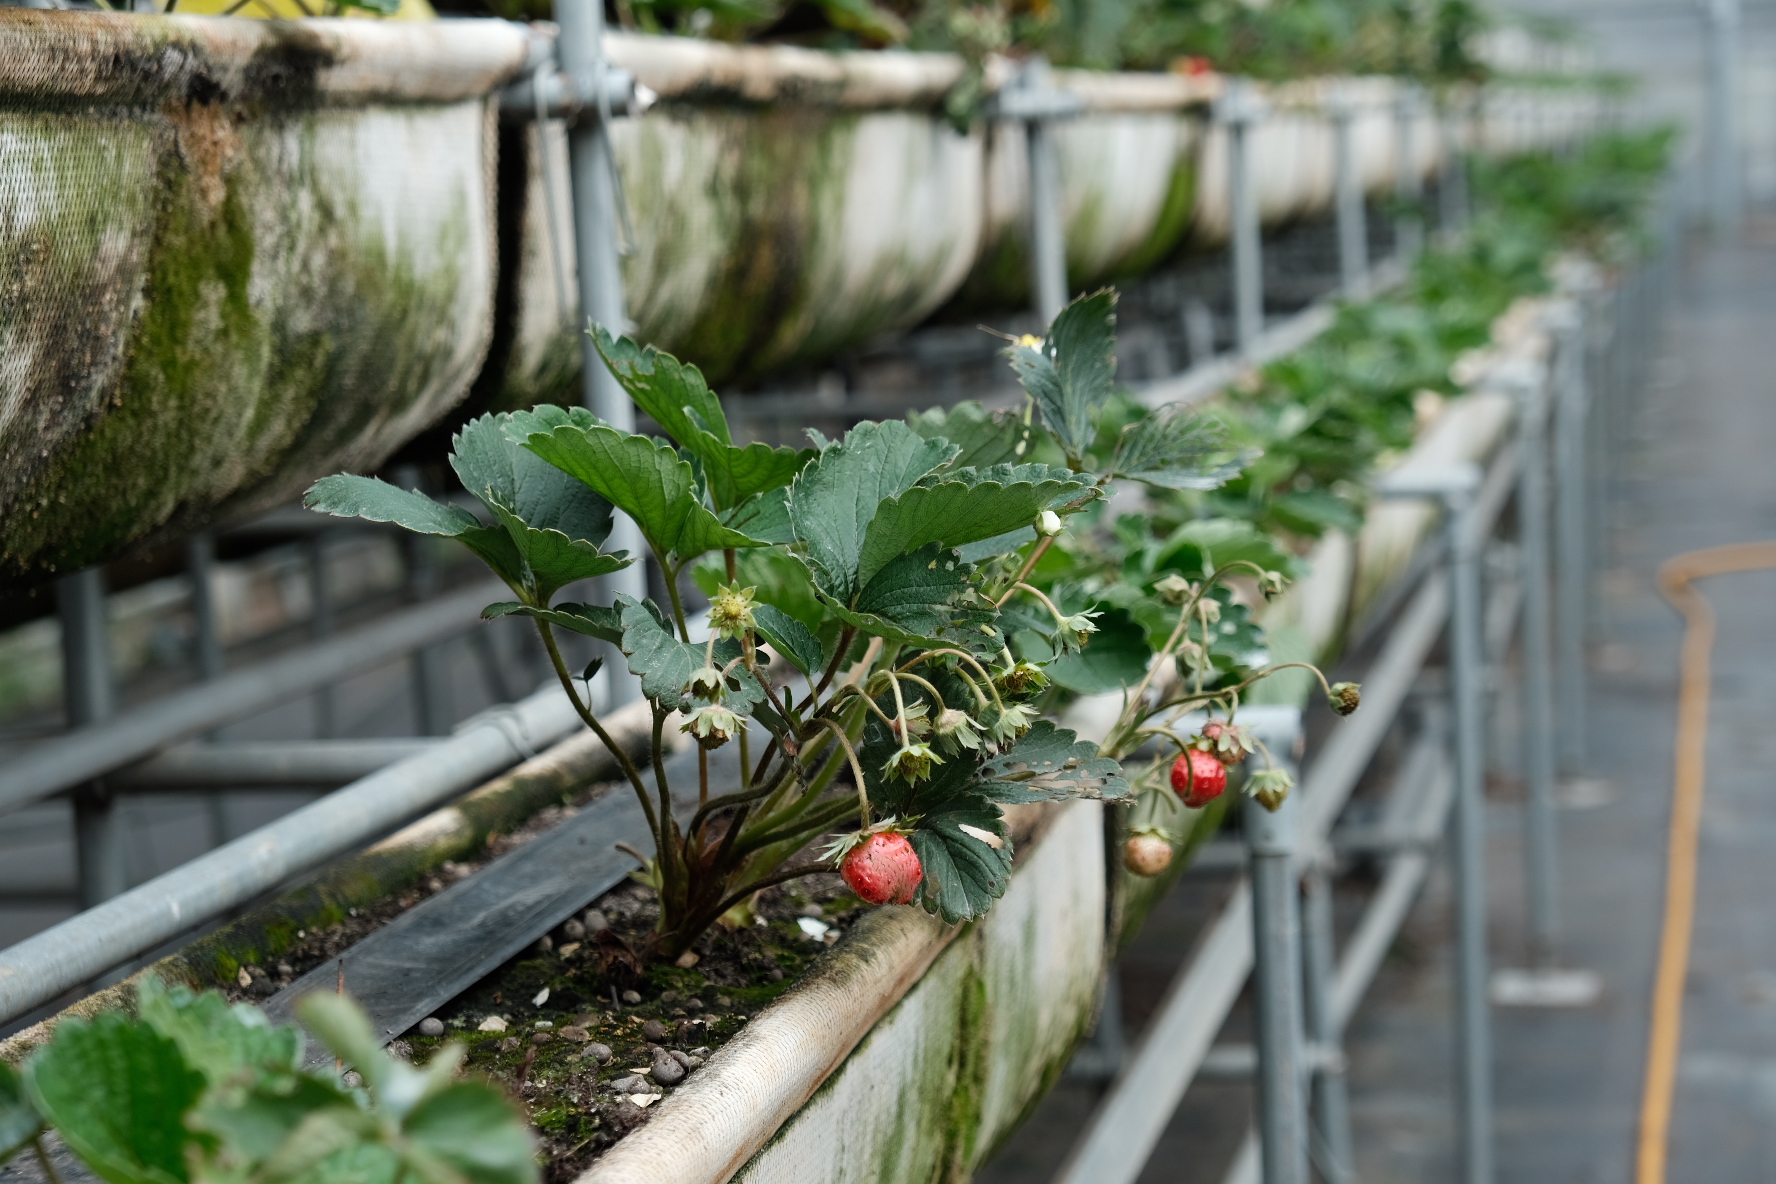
<point x="236" y="255"/>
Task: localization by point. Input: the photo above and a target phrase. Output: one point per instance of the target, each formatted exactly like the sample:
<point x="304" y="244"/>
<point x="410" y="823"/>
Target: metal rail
<point x="64" y="956"/>
<point x="84" y="753"/>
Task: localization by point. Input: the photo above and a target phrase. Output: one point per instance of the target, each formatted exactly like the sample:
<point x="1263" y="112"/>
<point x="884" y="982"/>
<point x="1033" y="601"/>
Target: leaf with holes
<point x="1052" y="764"/>
<point x="918" y="599"/>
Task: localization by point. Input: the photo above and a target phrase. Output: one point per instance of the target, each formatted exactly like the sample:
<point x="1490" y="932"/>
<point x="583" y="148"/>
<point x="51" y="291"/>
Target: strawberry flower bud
<point x="1270" y="583"/>
<point x="706" y="683"/>
<point x="730" y="613"/>
<point x="957" y="730"/>
<point x="712" y="725"/>
<point x="1174" y="589"/>
<point x="912" y="763"/>
<point x="1048" y="524"/>
<point x="1074" y="630"/>
<point x="1013" y="721"/>
<point x="1022" y="678"/>
<point x="1345" y="698"/>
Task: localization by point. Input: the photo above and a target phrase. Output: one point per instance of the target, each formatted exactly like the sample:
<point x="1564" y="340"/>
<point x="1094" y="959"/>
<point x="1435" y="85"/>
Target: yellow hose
<point x="1666" y="1031"/>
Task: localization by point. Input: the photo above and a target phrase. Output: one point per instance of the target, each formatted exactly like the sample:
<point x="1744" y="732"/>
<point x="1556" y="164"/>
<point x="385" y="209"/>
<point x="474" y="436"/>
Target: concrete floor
<point x="1696" y="471"/>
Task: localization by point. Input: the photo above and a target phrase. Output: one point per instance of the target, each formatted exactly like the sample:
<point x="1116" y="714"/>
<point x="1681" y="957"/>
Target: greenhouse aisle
<point x="1697" y="473"/>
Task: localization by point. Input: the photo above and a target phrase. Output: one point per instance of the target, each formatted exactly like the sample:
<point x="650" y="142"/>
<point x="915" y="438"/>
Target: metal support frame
<point x="1353" y="217"/>
<point x="1726" y="206"/>
<point x="89" y="696"/>
<point x="1033" y="100"/>
<point x="1332" y="1146"/>
<point x="1572" y="495"/>
<point x="1408" y="181"/>
<point x="1238" y="110"/>
<point x="1458" y="488"/>
<point x="41" y="967"/>
<point x="597" y="210"/>
<point x="92" y="750"/>
<point x="1528" y="386"/>
<point x="206" y="648"/>
<point x="1271" y="840"/>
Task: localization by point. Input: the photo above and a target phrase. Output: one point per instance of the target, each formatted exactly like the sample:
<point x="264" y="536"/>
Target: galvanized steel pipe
<point x="64" y="956"/>
<point x="90" y="751"/>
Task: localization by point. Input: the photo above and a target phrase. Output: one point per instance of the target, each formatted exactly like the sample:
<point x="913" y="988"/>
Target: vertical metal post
<point x="1531" y="395"/>
<point x="1468" y="678"/>
<point x="206" y="647"/>
<point x="1353" y="228"/>
<point x="1571" y="544"/>
<point x="89" y="697"/>
<point x="1276" y="922"/>
<point x="1238" y="111"/>
<point x="1048" y="243"/>
<point x="431" y="689"/>
<point x="1331" y="1096"/>
<point x="1408" y="181"/>
<point x="580" y="48"/>
<point x="320" y="625"/>
<point x="1726" y="207"/>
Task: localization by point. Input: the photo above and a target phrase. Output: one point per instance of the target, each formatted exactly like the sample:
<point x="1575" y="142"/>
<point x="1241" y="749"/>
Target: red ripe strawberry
<point x="1146" y="854"/>
<point x="1198" y="777"/>
<point x="883" y="869"/>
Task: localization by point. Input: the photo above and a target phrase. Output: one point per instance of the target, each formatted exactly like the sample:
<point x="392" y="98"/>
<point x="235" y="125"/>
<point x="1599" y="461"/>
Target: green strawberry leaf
<point x="976" y="505"/>
<point x="833" y="501"/>
<point x="665" y="664"/>
<point x="346" y="495"/>
<point x="763" y="516"/>
<point x="1175" y="449"/>
<point x="677" y="398"/>
<point x="985" y="437"/>
<point x="1116" y="656"/>
<point x="218" y="1039"/>
<point x="1051" y="764"/>
<point x="117" y="1091"/>
<point x="1071" y="373"/>
<point x="256" y="1123"/>
<point x="914" y="600"/>
<point x="553" y="559"/>
<point x="645" y="478"/>
<point x="502" y="472"/>
<point x="472" y="1129"/>
<point x="790" y="638"/>
<point x="593" y="620"/>
<point x="19" y="1120"/>
<point x="963" y="873"/>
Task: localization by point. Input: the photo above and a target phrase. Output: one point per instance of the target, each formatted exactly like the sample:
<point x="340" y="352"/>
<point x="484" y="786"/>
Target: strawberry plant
<point x="864" y="593"/>
<point x="192" y="1090"/>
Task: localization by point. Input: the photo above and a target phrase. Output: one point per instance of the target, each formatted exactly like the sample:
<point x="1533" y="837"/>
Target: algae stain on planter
<point x="280" y="328"/>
